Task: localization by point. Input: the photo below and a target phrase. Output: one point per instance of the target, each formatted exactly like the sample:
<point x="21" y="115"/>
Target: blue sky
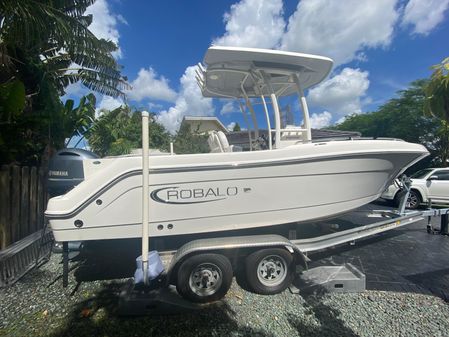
<point x="378" y="47"/>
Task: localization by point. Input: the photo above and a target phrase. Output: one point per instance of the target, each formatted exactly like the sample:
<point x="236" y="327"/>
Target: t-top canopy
<point x="235" y="71"/>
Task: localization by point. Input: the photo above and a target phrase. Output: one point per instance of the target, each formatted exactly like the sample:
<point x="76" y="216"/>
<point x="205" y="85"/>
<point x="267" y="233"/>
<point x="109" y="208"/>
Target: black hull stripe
<point x="227" y="215"/>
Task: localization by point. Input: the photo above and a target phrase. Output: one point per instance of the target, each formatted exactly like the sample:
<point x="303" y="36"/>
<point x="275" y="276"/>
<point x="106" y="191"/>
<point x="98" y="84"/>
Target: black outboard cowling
<point x="66" y="170"/>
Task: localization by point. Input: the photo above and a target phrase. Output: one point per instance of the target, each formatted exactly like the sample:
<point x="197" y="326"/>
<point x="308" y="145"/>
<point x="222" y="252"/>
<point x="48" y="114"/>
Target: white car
<point x="431" y="183"/>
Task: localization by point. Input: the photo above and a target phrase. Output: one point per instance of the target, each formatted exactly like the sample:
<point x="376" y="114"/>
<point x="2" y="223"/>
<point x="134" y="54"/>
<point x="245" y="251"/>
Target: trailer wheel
<point x="269" y="271"/>
<point x="204" y="277"/>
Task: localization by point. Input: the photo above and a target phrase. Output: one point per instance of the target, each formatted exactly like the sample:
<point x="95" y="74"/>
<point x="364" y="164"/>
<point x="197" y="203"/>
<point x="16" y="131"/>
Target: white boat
<point x="288" y="179"/>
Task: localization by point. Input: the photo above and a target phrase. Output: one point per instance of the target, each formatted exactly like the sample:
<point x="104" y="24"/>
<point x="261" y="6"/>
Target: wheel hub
<point x="412" y="200"/>
<point x="206" y="276"/>
<point x="205" y="279"/>
<point x="272" y="270"/>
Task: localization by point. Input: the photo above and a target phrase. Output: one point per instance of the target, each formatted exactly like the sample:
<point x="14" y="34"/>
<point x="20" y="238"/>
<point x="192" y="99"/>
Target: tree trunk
<point x="46" y="155"/>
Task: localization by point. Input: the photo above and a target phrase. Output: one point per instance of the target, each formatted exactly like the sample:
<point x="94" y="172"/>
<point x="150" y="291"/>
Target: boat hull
<point x="227" y="195"/>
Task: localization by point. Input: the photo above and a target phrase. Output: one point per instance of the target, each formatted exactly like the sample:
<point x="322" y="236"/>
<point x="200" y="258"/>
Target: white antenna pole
<point x="145" y="195"/>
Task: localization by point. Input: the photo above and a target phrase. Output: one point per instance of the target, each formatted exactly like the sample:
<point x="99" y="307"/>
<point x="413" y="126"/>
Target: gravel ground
<point x="39" y="306"/>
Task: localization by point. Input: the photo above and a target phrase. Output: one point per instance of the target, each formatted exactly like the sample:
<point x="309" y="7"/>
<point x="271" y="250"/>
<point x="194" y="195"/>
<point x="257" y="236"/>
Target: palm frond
<point x="58" y="30"/>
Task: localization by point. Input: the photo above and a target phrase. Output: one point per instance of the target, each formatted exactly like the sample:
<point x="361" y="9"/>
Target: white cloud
<point x="318" y="121"/>
<point x="148" y="85"/>
<point x="228" y="108"/>
<point x="121" y="19"/>
<point x="424" y="15"/>
<point x="104" y="23"/>
<point x="253" y="23"/>
<point x="108" y="103"/>
<point x="75" y="90"/>
<point x="190" y="102"/>
<point x="154" y="106"/>
<point x="393" y="84"/>
<point x="342" y="93"/>
<point x="340" y="29"/>
<point x="341" y="120"/>
<point x="231" y="126"/>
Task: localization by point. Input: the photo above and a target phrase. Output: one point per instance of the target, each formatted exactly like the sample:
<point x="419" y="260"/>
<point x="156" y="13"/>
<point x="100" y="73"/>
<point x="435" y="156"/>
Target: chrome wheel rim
<point x="272" y="270"/>
<point x="412" y="200"/>
<point x="205" y="279"/>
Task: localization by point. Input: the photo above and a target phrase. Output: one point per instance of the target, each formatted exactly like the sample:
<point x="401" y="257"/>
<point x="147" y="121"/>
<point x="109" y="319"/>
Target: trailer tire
<point x="269" y="271"/>
<point x="204" y="278"/>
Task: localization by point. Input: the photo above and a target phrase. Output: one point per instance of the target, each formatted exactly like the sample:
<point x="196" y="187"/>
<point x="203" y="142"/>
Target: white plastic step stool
<point x="341" y="279"/>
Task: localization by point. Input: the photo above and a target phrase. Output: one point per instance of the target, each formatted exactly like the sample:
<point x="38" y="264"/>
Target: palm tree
<point x="437" y="101"/>
<point x="55" y="34"/>
<point x="44" y="46"/>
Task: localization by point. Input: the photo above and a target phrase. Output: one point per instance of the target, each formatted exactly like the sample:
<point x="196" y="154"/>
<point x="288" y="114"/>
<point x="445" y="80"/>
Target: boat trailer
<point x="203" y="269"/>
<point x="330" y="278"/>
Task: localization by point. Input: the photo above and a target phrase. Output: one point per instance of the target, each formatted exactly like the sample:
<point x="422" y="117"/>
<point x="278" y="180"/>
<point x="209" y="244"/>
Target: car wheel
<point x="397" y="198"/>
<point x="414" y="200"/>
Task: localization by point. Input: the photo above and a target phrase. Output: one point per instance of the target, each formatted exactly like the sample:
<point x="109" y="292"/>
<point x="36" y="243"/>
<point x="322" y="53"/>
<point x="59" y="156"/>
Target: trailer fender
<point x="300" y="258"/>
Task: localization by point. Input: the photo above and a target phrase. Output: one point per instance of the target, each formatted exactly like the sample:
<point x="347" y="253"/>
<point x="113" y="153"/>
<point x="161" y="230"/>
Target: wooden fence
<point x="23" y="198"/>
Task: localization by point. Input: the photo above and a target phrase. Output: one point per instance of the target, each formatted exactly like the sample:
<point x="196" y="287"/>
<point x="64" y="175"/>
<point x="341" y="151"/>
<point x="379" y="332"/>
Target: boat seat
<point x="214" y="142"/>
<point x="219" y="143"/>
<point x="224" y="141"/>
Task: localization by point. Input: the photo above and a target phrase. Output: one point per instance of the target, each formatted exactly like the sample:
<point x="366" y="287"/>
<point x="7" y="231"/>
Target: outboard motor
<point x="66" y="170"/>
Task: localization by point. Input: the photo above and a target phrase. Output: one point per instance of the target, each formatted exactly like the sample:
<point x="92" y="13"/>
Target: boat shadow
<point x="330" y="324"/>
<point x="106" y="260"/>
<point x="98" y="315"/>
